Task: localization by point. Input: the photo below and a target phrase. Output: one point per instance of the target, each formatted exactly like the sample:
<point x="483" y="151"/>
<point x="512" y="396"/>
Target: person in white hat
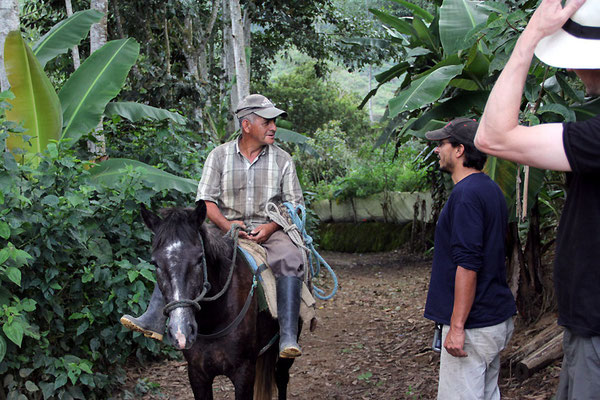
<point x="565" y="37"/>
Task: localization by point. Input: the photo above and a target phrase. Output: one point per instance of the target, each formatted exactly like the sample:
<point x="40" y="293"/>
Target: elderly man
<point x="468" y="292"/>
<point x="567" y="37"/>
<point x="238" y="179"/>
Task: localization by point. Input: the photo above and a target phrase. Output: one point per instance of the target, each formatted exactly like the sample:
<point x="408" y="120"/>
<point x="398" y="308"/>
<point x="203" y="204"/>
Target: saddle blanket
<point x="256" y="258"/>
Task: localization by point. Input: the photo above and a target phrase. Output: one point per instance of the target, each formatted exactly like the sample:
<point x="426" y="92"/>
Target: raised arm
<point x="499" y="132"/>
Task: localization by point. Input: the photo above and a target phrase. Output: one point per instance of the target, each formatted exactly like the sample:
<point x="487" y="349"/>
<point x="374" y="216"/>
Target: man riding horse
<point x="238" y="180"/>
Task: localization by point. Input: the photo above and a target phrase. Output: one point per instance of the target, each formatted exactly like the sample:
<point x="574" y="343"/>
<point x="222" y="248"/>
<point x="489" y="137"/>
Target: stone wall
<point x="389" y="207"/>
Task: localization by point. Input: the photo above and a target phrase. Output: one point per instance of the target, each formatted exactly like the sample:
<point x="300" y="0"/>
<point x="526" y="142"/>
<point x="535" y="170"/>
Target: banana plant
<point x="98" y="80"/>
<point x="64" y="35"/>
<point x="35" y="103"/>
<point x="85" y="96"/>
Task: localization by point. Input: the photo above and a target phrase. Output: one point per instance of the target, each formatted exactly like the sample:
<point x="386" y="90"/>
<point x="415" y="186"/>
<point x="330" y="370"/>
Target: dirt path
<point x="372" y="342"/>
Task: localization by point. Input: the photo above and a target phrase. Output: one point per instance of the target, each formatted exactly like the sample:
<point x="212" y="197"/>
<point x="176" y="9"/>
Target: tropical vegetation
<point x="84" y="145"/>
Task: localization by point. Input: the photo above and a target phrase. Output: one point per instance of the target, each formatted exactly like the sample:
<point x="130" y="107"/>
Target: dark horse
<point x="213" y="315"/>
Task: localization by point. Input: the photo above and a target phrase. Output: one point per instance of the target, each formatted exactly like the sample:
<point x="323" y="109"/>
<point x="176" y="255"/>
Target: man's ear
<point x="460" y="150"/>
<point x="245" y="125"/>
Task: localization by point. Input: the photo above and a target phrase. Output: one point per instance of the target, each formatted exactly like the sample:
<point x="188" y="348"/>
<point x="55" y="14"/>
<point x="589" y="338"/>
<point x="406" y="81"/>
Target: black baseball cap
<point x="461" y="129"/>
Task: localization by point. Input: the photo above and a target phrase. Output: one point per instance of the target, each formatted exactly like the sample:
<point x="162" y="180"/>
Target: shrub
<point x="340" y="173"/>
<point x="72" y="261"/>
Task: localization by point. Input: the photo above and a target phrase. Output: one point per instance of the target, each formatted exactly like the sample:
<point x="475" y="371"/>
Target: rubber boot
<point x="152" y="322"/>
<point x="288" y="309"/>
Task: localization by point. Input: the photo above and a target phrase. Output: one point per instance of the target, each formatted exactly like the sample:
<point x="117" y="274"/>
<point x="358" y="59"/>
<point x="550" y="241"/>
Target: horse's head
<point x="178" y="253"/>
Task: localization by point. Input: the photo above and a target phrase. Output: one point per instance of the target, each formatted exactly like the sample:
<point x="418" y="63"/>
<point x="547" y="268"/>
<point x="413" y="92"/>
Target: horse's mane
<point x="179" y="224"/>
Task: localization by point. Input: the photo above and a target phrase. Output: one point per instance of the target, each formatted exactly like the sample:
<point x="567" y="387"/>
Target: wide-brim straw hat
<point x="577" y="44"/>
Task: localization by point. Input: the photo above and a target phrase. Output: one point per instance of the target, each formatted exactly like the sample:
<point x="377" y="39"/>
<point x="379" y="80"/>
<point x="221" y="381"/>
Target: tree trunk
<point x="189" y="51"/>
<point x="98" y="32"/>
<point x="75" y="49"/>
<point x="167" y="42"/>
<point x="539" y="340"/>
<point x="370" y="98"/>
<point x="9" y="21"/>
<point x="98" y="37"/>
<point x="229" y="68"/>
<point x="550" y="351"/>
<point x="203" y="50"/>
<point x="247" y="20"/>
<point x="239" y="50"/>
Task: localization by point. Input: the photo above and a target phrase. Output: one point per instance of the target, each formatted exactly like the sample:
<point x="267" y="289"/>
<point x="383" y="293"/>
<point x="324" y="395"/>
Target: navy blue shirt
<point x="470" y="233"/>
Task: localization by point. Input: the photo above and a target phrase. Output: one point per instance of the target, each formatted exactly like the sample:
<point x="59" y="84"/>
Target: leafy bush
<point x="72" y="261"/>
<point x="163" y="144"/>
<point x="311" y="102"/>
<point x="333" y="159"/>
<point x="341" y="173"/>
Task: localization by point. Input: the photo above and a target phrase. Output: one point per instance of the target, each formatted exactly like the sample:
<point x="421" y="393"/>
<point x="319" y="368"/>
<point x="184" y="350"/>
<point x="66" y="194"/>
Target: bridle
<point x="206" y="286"/>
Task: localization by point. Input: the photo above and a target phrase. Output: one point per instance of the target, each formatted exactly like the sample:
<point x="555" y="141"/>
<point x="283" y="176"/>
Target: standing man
<point x="566" y="37"/>
<point x="468" y="292"/>
<point x="239" y="178"/>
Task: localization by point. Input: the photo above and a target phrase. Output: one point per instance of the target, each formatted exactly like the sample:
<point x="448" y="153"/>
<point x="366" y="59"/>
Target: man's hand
<point x="262" y="232"/>
<point x="455" y="341"/>
<point x="241" y="233"/>
<point x="550" y="16"/>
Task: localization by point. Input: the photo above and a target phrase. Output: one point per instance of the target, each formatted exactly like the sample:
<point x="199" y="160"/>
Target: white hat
<point x="577" y="44"/>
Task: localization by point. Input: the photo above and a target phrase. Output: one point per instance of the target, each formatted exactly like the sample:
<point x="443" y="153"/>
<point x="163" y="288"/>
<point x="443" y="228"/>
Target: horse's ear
<point x="150" y="219"/>
<point x="200" y="212"/>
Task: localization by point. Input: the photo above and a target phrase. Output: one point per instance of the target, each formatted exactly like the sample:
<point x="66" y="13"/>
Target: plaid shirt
<point x="242" y="189"/>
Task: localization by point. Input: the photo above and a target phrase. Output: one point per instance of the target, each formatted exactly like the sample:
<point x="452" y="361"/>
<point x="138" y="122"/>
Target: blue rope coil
<point x="298" y="216"/>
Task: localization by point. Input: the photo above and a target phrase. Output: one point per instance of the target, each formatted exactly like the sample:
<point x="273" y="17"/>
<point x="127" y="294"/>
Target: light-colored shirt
<point x="241" y="189"/>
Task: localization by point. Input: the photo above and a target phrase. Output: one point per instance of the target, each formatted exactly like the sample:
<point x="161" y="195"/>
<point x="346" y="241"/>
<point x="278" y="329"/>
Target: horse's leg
<point x="282" y="376"/>
<point x="243" y="380"/>
<point x="201" y="384"/>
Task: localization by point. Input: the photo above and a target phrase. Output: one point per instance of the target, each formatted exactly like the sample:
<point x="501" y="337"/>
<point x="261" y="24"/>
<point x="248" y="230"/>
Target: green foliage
<point x="35" y="104"/>
<point x="72" y="260"/>
<point x="311" y="102"/>
<point x="98" y="80"/>
<point x="163" y="144"/>
<point x="332" y="160"/>
<point x="136" y="112"/>
<point x="65" y="35"/>
<point x="341" y="172"/>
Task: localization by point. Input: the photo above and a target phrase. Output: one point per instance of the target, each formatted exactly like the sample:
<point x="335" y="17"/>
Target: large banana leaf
<point x="424" y="90"/>
<point x="504" y="173"/>
<point x="110" y="173"/>
<point x="383" y="77"/>
<point x="289" y="136"/>
<point x="367" y="42"/>
<point x="136" y="111"/>
<point x="65" y="35"/>
<point x="394" y="22"/>
<point x="100" y="78"/>
<point x="36" y="104"/>
<point x="462" y="104"/>
<point x="457" y="18"/>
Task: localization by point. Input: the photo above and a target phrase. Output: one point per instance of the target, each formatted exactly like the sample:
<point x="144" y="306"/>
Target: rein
<point x="207" y="286"/>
